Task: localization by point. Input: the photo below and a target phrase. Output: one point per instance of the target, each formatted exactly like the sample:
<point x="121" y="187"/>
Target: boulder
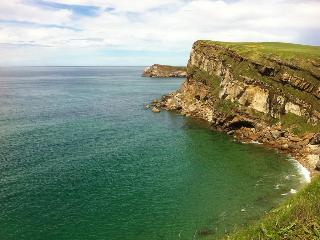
<point x="155" y="110"/>
<point x="318" y="166"/>
<point x="253" y="137"/>
<point x="304" y="142"/>
<point x="308" y="136"/>
<point x="294" y="138"/>
<point x="294" y="145"/>
<point x="313" y="159"/>
<point x="276" y="134"/>
<point x="315" y="140"/>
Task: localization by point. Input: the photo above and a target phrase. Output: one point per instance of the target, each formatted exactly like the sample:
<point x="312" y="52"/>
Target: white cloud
<point x="123" y="5"/>
<point x="17" y="10"/>
<point x="157" y="25"/>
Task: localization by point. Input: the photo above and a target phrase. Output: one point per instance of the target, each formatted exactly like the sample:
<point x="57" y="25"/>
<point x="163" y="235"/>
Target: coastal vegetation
<point x="296" y="218"/>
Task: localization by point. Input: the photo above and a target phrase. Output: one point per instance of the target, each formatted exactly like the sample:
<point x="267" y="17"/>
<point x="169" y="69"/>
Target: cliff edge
<point x="257" y="92"/>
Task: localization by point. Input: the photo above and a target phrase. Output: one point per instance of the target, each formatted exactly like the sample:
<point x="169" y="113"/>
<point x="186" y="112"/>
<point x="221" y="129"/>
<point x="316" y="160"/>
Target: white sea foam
<point x="292" y="191"/>
<point x="305" y="174"/>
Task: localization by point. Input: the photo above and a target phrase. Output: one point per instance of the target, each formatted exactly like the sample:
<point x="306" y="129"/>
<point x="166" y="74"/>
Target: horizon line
<point x="73" y="66"/>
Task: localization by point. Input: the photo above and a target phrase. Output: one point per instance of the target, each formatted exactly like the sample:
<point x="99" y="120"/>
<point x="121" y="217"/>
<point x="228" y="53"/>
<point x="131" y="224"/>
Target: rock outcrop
<point x="164" y="71"/>
<point x="261" y="99"/>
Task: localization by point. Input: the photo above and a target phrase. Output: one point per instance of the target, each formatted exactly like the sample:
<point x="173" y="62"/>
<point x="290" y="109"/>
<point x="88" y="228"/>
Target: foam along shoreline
<point x="304" y="172"/>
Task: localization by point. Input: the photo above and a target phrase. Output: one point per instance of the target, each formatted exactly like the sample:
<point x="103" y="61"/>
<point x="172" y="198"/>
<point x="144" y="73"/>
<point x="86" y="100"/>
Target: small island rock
<point x="165" y="71"/>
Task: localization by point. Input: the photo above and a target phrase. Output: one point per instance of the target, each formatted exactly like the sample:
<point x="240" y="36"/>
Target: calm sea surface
<point x="81" y="158"/>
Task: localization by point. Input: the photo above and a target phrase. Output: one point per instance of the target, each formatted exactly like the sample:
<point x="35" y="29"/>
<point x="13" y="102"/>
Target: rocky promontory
<point x="256" y="94"/>
<point x="165" y="71"/>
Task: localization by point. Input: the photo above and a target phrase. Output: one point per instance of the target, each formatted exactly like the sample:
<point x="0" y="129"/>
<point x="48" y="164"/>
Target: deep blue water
<point x="81" y="158"/>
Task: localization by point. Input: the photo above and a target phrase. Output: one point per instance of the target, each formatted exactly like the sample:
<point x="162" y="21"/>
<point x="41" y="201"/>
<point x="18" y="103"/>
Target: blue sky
<point x="143" y="32"/>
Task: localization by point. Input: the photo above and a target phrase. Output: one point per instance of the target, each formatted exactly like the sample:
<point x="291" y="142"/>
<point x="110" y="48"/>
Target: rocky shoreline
<point x="246" y="109"/>
<point x="305" y="149"/>
<point x="165" y="71"/>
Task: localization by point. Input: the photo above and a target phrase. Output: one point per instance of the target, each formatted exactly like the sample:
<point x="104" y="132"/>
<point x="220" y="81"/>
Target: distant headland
<point x="165" y="71"/>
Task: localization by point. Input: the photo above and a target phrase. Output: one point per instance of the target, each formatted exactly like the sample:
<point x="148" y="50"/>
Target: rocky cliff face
<point x="254" y="95"/>
<point x="265" y="85"/>
<point x="164" y="71"/>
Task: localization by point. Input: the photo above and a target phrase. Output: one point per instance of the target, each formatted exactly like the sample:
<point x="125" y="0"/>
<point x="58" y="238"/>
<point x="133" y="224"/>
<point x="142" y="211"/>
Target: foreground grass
<point x="297" y="218"/>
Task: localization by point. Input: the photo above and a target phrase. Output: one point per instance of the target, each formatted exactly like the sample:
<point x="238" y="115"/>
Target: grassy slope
<point x="297" y="218"/>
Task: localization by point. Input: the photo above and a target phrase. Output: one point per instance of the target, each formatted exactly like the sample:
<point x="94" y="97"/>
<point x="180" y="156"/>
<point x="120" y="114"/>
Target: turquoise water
<point x="81" y="158"/>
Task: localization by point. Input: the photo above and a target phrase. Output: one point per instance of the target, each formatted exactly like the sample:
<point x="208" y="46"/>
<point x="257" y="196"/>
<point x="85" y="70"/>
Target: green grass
<point x="171" y="68"/>
<point x="299" y="125"/>
<point x="285" y="51"/>
<point x="226" y="106"/>
<point x="210" y="80"/>
<point x="297" y="218"/>
<point x="305" y="57"/>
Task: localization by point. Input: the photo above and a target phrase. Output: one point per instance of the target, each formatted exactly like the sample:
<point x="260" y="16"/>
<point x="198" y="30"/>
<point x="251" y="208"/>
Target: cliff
<point x="261" y="92"/>
<point x="165" y="71"/>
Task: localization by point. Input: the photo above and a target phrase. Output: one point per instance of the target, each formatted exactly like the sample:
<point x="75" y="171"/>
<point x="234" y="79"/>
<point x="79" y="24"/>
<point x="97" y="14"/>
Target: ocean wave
<point x="305" y="174"/>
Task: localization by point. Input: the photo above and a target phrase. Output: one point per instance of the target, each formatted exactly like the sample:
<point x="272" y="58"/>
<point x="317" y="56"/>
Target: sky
<point x="143" y="32"/>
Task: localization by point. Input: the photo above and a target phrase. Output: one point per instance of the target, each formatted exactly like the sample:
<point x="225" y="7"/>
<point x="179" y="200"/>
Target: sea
<point x="82" y="158"/>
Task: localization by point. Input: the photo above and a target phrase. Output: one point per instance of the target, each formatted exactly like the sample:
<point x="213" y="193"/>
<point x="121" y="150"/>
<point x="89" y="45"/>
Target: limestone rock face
<point x="236" y="94"/>
<point x="293" y="108"/>
<point x="164" y="71"/>
<point x="248" y="87"/>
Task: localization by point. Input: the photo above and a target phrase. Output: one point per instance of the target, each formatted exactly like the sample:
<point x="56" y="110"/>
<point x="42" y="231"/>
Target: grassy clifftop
<point x="301" y="57"/>
<point x="286" y="51"/>
<point x="278" y="57"/>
